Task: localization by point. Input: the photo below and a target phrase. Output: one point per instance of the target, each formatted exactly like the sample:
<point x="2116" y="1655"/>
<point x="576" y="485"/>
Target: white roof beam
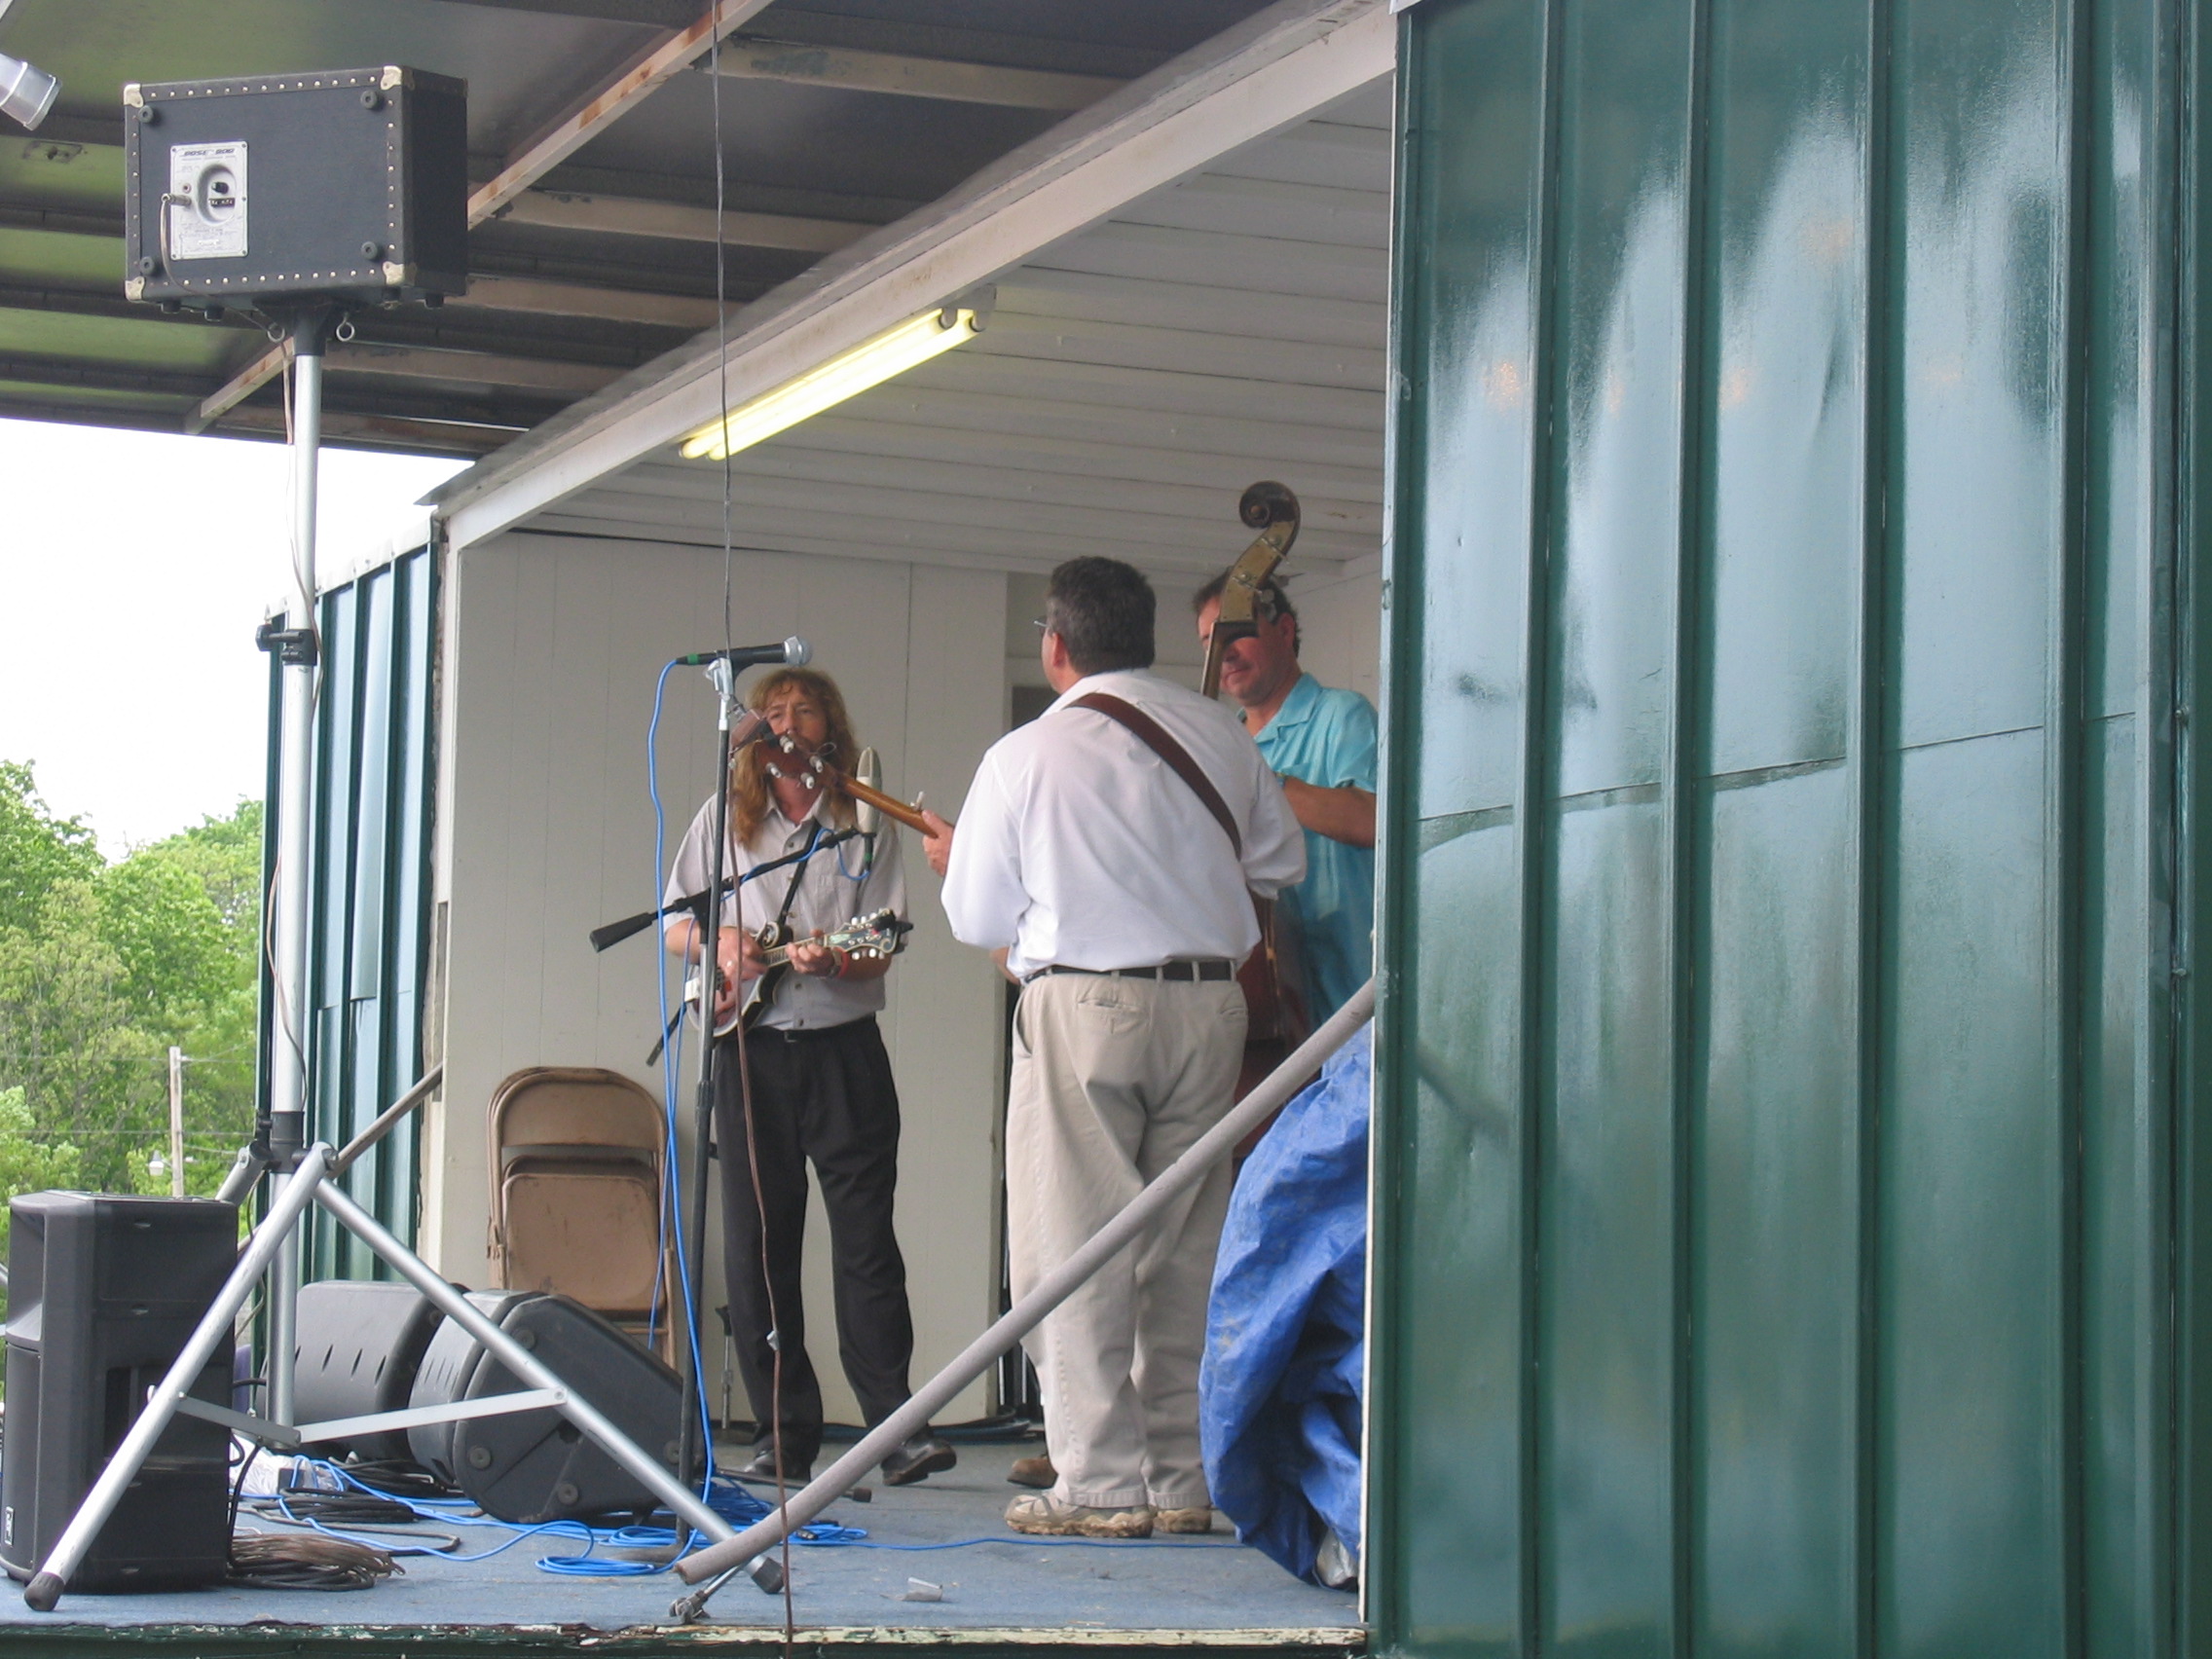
<point x="470" y="368"/>
<point x="752" y="58"/>
<point x="676" y="221"/>
<point x="1251" y="80"/>
<point x="567" y="299"/>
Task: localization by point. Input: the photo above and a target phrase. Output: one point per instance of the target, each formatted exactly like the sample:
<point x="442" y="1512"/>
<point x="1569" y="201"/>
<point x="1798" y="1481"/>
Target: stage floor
<point x="1160" y="1591"/>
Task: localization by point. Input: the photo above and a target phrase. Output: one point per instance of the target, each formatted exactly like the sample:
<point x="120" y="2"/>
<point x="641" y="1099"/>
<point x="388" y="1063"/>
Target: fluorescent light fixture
<point x="870" y="363"/>
<point x="26" y="92"/>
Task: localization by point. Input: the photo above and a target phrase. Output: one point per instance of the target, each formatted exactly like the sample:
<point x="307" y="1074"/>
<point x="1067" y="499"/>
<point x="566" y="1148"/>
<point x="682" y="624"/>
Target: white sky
<point x="133" y="569"/>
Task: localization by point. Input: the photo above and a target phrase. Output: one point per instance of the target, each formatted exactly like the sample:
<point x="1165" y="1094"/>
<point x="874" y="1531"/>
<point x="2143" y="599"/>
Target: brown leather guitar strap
<point x="1155" y="737"/>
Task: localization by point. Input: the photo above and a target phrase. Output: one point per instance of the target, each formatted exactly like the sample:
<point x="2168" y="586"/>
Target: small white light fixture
<point x="870" y="363"/>
<point x="26" y="92"/>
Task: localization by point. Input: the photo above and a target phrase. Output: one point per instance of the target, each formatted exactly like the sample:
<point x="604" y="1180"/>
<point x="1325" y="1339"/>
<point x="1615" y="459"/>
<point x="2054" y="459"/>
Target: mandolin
<point x="871" y="938"/>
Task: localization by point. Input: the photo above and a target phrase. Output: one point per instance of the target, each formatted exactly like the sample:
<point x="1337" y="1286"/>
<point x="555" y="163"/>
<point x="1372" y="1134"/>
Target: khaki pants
<point x="1113" y="1080"/>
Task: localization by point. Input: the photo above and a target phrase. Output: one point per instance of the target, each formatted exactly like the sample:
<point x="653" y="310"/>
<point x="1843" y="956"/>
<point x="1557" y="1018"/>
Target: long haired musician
<point x="803" y="1004"/>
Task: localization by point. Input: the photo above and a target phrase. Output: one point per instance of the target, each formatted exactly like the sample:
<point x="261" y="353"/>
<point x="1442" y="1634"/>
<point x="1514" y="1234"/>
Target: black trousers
<point x="823" y="1096"/>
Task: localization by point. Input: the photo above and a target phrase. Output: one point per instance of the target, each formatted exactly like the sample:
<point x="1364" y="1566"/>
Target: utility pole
<point x="176" y="1121"/>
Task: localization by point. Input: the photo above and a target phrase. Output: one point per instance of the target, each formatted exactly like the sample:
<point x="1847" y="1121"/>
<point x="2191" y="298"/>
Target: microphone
<point x="869" y="770"/>
<point x="793" y="652"/>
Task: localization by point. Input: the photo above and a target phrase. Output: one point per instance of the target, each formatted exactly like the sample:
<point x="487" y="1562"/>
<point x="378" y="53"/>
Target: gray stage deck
<point x="1194" y="1591"/>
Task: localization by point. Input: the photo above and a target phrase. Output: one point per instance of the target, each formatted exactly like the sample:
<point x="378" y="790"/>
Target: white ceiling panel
<point x="1132" y="380"/>
<point x="833" y="442"/>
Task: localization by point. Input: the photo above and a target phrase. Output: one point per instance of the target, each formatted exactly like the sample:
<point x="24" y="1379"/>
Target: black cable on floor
<point x="340" y="1508"/>
<point x="306" y="1561"/>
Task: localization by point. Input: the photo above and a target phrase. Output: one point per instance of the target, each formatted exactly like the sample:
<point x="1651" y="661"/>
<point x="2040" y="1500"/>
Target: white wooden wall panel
<point x="1341" y="620"/>
<point x="548" y="832"/>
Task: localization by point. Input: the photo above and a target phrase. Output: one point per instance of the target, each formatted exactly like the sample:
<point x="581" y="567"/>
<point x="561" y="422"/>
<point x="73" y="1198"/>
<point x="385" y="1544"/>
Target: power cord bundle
<point x="306" y="1561"/>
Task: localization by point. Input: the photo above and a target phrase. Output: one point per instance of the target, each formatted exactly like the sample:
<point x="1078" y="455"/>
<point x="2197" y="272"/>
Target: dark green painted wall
<point x="1782" y="1154"/>
<point x="369" y="943"/>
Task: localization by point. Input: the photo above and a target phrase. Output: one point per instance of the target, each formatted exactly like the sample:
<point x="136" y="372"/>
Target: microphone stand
<point x="724" y="679"/>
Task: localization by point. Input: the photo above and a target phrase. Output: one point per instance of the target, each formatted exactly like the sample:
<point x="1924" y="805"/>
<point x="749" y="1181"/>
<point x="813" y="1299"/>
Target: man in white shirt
<point x="1117" y="895"/>
<point x="822" y="1089"/>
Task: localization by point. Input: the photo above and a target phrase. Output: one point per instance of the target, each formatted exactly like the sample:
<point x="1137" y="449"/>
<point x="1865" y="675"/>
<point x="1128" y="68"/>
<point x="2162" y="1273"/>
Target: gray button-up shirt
<point x="834" y="887"/>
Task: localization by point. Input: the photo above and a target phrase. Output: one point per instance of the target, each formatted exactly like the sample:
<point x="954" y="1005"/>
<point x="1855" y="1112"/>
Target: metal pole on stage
<point x="725" y="679"/>
<point x="300" y="647"/>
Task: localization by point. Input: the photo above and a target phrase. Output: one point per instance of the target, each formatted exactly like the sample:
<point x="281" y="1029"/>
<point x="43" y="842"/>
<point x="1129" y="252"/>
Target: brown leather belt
<point x="1184" y="969"/>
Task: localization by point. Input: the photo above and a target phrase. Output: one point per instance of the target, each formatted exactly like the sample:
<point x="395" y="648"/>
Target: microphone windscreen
<point x="867" y="770"/>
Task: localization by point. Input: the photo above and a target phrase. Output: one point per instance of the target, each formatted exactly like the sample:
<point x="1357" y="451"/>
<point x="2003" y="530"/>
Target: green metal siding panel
<point x="369" y="891"/>
<point x="1773" y="1101"/>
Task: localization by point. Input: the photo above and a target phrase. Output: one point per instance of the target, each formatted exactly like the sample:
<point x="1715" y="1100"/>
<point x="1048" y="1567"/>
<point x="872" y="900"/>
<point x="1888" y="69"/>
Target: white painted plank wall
<point x="546" y="830"/>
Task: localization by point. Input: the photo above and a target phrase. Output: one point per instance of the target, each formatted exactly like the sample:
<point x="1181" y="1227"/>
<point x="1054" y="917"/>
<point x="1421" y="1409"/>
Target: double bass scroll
<point x="1270" y="977"/>
<point x="1270" y="509"/>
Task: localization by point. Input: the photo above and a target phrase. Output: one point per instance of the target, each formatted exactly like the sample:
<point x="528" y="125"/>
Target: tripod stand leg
<point x="70" y="1550"/>
<point x="518" y="1359"/>
<point x="245" y="1170"/>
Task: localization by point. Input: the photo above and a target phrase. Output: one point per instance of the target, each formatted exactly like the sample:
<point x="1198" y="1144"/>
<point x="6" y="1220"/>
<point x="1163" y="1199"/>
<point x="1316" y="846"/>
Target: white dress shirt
<point x="1080" y="846"/>
<point x="834" y="886"/>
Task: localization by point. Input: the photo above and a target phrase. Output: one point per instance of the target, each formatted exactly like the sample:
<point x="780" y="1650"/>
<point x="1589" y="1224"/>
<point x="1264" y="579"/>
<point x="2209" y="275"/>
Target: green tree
<point x="29" y="1163"/>
<point x="38" y="851"/>
<point x="105" y="966"/>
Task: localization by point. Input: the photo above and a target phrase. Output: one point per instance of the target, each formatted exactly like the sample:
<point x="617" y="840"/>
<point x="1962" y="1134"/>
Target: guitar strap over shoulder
<point x="1155" y="737"/>
<point x="798" y="875"/>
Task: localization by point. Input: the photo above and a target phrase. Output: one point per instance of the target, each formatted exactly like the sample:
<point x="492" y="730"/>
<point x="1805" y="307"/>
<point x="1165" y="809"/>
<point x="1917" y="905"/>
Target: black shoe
<point x="763" y="1467"/>
<point x="923" y="1455"/>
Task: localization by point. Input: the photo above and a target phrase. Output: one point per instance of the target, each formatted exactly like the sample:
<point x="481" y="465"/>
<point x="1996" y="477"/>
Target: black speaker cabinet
<point x="361" y="1343"/>
<point x="103" y="1293"/>
<point x="351" y="183"/>
<point x="532" y="1467"/>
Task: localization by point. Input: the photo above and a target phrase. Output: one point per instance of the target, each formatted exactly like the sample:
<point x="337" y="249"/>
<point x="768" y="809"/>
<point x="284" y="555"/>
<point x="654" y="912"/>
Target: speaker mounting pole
<point x="300" y="647"/>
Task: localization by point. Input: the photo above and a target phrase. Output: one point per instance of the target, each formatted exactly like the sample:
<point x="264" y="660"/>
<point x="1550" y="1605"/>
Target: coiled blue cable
<point x="722" y="1494"/>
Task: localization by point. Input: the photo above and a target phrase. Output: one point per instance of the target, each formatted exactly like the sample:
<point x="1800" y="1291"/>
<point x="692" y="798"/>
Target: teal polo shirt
<point x="1328" y="737"/>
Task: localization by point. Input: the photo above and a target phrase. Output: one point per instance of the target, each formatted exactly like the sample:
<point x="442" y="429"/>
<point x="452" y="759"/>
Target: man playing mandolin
<point x="822" y="1089"/>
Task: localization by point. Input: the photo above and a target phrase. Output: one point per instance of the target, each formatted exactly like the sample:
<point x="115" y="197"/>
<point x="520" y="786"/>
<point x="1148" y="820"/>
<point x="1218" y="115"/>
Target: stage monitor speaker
<point x="103" y="1294"/>
<point x="360" y="1345"/>
<point x="348" y="184"/>
<point x="535" y="1466"/>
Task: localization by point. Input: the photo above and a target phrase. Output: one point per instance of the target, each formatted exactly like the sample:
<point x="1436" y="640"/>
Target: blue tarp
<point x="1279" y="1391"/>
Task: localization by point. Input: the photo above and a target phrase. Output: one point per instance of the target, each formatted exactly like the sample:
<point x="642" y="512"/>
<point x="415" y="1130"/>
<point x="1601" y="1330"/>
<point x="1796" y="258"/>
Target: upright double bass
<point x="1278" y="1021"/>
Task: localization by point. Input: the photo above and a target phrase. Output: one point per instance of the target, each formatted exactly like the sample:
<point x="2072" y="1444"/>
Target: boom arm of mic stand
<point x="694" y="904"/>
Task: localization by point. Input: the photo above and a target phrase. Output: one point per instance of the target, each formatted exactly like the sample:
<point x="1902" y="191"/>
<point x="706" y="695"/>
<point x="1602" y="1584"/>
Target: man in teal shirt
<point x="1321" y="742"/>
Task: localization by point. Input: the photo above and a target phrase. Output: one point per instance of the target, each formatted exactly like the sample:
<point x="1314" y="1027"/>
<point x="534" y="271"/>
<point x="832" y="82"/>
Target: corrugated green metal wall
<point x="375" y="784"/>
<point x="1781" y="1171"/>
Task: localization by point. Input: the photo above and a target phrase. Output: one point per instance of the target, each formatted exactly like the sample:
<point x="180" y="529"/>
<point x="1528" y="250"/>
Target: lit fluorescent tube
<point x="870" y="363"/>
